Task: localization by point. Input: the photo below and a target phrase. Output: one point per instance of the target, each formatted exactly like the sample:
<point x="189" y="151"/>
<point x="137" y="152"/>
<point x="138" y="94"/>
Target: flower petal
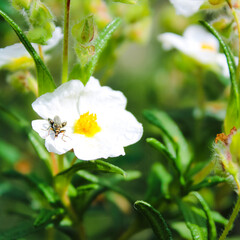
<point x="62" y="102"/>
<point x="187" y="7"/>
<point x="60" y="144"/>
<point x="41" y="127"/>
<point x="94" y="97"/>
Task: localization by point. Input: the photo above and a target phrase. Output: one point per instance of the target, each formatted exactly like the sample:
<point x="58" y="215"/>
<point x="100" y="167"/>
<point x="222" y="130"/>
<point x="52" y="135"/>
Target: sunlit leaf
<point x="45" y="80"/>
<point x="157" y="222"/>
<point x="126" y="1"/>
<point x="100" y="43"/>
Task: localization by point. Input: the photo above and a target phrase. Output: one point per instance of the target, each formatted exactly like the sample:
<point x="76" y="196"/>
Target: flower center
<point x="209" y="47"/>
<point x="87" y="125"/>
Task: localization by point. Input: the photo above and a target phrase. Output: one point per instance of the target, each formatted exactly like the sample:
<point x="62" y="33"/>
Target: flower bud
<point x="21" y="4"/>
<point x="23" y="81"/>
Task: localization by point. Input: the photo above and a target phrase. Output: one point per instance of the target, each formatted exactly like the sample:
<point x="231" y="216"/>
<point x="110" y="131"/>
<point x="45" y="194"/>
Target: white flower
<point x="16" y="55"/>
<point x="97" y="124"/>
<point x="187" y="7"/>
<point x="198" y="44"/>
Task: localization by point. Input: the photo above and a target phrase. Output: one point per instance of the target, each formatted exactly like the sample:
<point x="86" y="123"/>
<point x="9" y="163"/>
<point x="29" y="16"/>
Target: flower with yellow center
<point x="91" y="120"/>
<point x="198" y="44"/>
<point x="16" y="57"/>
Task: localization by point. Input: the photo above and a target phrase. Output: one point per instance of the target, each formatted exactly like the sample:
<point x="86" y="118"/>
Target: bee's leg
<point x="63" y="131"/>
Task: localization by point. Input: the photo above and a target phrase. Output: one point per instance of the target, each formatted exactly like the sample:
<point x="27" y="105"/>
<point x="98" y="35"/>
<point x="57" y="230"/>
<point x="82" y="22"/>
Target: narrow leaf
<point x="100" y="43"/>
<point x="208" y="182"/>
<point x="195" y="219"/>
<point x="173" y="133"/>
<point x="95" y="165"/>
<point x="233" y="109"/>
<point x="46" y="216"/>
<point x="45" y="80"/>
<point x="158" y="224"/>
<point x="212" y="233"/>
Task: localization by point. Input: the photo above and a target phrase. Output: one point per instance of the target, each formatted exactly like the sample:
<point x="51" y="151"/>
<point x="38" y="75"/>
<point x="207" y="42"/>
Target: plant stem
<point x="61" y="162"/>
<point x="238" y="28"/>
<point x="231" y="219"/>
<point x="65" y="42"/>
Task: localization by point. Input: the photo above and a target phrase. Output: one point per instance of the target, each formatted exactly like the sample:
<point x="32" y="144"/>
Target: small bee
<point x="56" y="125"/>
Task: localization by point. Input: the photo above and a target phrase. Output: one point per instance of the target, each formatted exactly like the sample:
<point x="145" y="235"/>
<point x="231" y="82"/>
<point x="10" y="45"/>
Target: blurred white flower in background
<point x="90" y="119"/>
<point x="187" y="7"/>
<point x="198" y="44"/>
<point x="16" y="56"/>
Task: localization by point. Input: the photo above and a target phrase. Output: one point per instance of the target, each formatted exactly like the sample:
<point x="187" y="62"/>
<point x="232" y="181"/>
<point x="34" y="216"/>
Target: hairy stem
<point x="231" y="220"/>
<point x="65" y="42"/>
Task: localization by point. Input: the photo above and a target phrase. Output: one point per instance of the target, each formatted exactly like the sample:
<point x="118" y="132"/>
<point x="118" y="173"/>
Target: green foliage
<point x="21" y="4"/>
<point x="126" y="1"/>
<point x="233" y="110"/>
<point x="156" y="220"/>
<point x="176" y="149"/>
<point x="45" y="81"/>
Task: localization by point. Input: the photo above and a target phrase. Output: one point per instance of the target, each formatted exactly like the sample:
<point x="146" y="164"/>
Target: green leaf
<point x="25" y="228"/>
<point x="36" y="184"/>
<point x="158" y="183"/>
<point x="161" y="148"/>
<point x="233" y="110"/>
<point x="217" y="217"/>
<point x="20" y="123"/>
<point x="195" y="218"/>
<point x="46" y="216"/>
<point x="110" y="183"/>
<point x="63" y="179"/>
<point x="9" y="152"/>
<point x="45" y="80"/>
<point x="100" y="43"/>
<point x="208" y="182"/>
<point x="171" y="131"/>
<point x="212" y="233"/>
<point x="158" y="224"/>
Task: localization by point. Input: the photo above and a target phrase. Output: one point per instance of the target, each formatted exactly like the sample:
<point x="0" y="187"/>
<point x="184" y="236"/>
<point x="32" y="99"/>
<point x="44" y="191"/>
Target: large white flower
<point x="198" y="44"/>
<point x="97" y="124"/>
<point x="187" y="7"/>
<point x="16" y="55"/>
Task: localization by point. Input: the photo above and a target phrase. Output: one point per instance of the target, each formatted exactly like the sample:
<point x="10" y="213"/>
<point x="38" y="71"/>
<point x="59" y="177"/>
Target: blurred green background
<point x="134" y="63"/>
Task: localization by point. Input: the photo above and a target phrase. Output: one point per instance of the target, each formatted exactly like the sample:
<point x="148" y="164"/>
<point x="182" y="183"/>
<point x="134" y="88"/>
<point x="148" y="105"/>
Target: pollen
<point x="87" y="125"/>
<point x="209" y="47"/>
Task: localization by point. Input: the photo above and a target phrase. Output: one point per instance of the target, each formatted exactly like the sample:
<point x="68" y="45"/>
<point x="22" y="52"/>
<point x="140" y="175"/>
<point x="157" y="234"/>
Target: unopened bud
<point x="84" y="31"/>
<point x="21" y="4"/>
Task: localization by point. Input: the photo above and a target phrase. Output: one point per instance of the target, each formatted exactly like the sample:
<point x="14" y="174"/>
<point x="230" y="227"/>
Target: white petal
<point x="119" y="128"/>
<point x="198" y="34"/>
<point x="171" y="40"/>
<point x="56" y="37"/>
<point x="99" y="146"/>
<point x="187" y="7"/>
<point x="41" y="127"/>
<point x="63" y="102"/>
<point x="94" y="98"/>
<point x="9" y="53"/>
<point x="60" y="144"/>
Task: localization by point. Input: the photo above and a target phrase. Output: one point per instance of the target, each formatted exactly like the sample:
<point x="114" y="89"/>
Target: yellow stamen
<point x="87" y="125"/>
<point x="207" y="46"/>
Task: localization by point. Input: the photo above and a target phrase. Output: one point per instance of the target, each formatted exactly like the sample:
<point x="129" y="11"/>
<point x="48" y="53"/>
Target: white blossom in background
<point x="97" y="124"/>
<point x="16" y="55"/>
<point x="198" y="44"/>
<point x="187" y="7"/>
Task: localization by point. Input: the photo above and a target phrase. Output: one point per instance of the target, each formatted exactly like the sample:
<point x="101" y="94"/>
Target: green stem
<point x="65" y="42"/>
<point x="231" y="220"/>
<point x="61" y="163"/>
